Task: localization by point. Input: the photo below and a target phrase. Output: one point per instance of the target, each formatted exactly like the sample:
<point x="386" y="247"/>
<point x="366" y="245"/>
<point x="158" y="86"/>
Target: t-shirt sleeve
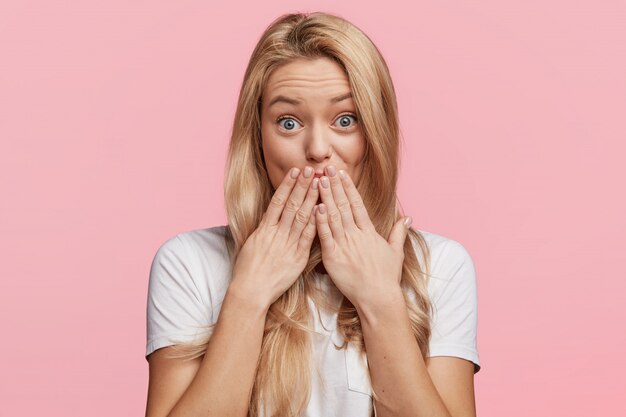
<point x="175" y="311"/>
<point x="455" y="305"/>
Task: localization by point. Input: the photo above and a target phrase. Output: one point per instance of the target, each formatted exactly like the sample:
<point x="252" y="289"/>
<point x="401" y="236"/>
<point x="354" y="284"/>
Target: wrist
<point x="380" y="304"/>
<point x="247" y="298"/>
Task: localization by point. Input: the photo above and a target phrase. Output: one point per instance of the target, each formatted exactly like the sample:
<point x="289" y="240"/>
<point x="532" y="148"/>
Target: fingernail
<point x="324" y="182"/>
<point x="315" y="183"/>
<point x="331" y="171"/>
<point x="342" y="174"/>
<point x="307" y="172"/>
<point x="322" y="208"/>
<point x="408" y="221"/>
<point x="295" y="172"/>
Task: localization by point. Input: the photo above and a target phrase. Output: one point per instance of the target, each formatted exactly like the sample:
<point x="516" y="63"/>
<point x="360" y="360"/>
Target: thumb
<point x="399" y="232"/>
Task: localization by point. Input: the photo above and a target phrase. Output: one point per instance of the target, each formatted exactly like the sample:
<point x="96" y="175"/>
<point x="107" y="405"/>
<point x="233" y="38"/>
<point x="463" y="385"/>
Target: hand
<point x="275" y="254"/>
<point x="361" y="263"/>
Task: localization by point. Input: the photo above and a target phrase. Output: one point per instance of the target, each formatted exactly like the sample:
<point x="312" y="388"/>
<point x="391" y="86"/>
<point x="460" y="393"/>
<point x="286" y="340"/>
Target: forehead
<point x="307" y="76"/>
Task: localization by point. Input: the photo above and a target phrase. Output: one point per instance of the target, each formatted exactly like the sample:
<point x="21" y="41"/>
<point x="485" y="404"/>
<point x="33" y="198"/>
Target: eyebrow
<point x="297" y="102"/>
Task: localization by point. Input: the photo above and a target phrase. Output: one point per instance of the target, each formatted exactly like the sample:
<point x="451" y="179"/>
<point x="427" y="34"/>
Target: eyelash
<point x="281" y="118"/>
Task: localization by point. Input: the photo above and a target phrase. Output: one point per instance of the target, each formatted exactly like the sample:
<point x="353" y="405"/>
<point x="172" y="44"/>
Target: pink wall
<point x="114" y="122"/>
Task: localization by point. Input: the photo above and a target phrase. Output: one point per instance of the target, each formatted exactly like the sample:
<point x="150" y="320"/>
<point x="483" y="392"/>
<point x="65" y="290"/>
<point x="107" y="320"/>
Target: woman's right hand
<point x="275" y="254"/>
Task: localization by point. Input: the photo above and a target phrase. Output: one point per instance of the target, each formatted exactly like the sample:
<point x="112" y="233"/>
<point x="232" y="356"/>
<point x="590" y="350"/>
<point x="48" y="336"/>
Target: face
<point x="309" y="119"/>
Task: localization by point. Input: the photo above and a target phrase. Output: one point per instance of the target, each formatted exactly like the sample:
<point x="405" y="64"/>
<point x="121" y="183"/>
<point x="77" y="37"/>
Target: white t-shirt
<point x="189" y="277"/>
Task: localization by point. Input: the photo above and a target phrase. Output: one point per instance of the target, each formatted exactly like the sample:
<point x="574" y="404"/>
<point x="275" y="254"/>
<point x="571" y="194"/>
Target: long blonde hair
<point x="283" y="375"/>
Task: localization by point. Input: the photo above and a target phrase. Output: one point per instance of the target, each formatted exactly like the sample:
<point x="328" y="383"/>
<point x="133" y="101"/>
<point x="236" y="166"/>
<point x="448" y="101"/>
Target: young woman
<point x="317" y="298"/>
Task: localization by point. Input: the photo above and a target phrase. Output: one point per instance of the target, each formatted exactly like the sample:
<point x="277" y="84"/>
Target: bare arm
<point x="367" y="269"/>
<point x="223" y="381"/>
<point x="220" y="384"/>
<point x="407" y="386"/>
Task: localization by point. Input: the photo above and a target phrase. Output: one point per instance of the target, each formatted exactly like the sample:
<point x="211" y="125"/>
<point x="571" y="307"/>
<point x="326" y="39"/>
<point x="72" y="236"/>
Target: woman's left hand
<point x="362" y="264"/>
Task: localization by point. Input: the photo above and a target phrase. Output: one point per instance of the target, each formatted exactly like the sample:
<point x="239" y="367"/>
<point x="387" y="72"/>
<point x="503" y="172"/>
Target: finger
<point x="359" y="212"/>
<point x="398" y="233"/>
<point x="275" y="208"/>
<point x="305" y="212"/>
<point x="332" y="213"/>
<point x="308" y="234"/>
<point x="341" y="200"/>
<point x="294" y="201"/>
<point x="327" y="241"/>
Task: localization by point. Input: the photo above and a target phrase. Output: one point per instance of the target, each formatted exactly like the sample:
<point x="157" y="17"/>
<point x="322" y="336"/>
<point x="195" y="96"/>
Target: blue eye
<point x="289" y="125"/>
<point x="345" y="121"/>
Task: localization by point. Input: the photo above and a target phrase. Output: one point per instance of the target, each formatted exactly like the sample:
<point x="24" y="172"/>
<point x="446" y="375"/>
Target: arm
<point x="367" y="269"/>
<point x="220" y="383"/>
<point x="404" y="383"/>
<point x="269" y="262"/>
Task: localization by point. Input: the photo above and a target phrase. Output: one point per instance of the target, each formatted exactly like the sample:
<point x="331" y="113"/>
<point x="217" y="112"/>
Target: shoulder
<point x="453" y="292"/>
<point x="444" y="252"/>
<point x="197" y="245"/>
<point x="448" y="260"/>
<point x="208" y="243"/>
<point x="198" y="255"/>
<point x="189" y="276"/>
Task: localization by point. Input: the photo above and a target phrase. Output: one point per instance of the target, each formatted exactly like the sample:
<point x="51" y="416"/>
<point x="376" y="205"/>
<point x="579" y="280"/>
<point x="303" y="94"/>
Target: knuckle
<point x="335" y="217"/>
<point x="369" y="224"/>
<point x="292" y="205"/>
<point x="343" y="206"/>
<point x="302" y="217"/>
<point x="303" y="183"/>
<point x="277" y="200"/>
<point x="357" y="202"/>
<point x="308" y="233"/>
<point x="324" y="234"/>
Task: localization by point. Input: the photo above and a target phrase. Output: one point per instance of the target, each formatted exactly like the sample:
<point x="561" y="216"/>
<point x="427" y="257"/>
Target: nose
<point x="318" y="145"/>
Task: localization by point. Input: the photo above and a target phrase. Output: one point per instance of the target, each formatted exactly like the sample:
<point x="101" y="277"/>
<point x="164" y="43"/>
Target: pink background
<point x="114" y="122"/>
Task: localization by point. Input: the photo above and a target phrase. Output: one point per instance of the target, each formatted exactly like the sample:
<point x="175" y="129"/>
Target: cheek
<point x="276" y="176"/>
<point x="277" y="160"/>
<point x="273" y="166"/>
<point x="353" y="152"/>
<point x="354" y="156"/>
<point x="352" y="147"/>
<point x="361" y="145"/>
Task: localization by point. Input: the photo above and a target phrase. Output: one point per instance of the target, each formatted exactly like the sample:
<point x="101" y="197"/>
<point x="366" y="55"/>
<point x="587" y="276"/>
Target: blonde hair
<point x="283" y="375"/>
